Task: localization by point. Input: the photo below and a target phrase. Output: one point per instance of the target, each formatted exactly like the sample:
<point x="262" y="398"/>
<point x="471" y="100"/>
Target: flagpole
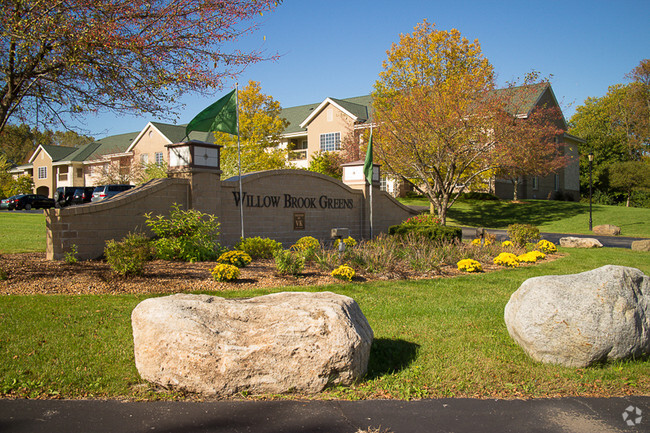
<point x="371" y="179"/>
<point x="241" y="195"/>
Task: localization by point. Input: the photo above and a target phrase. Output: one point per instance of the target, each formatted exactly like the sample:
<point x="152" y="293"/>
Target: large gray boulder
<point x="576" y="320"/>
<point x="574" y="242"/>
<point x="269" y="344"/>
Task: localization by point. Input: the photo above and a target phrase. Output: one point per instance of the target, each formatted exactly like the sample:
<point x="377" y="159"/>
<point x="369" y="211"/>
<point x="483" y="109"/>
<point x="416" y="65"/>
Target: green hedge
<point x="433" y="232"/>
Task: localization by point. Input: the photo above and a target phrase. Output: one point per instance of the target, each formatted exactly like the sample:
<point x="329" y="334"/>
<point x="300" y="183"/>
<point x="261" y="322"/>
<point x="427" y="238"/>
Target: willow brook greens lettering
<point x="289" y="201"/>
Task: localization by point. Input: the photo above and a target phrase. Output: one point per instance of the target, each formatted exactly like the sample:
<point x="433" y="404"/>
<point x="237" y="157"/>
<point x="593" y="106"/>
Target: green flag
<point x="220" y="116"/>
<point x="367" y="166"/>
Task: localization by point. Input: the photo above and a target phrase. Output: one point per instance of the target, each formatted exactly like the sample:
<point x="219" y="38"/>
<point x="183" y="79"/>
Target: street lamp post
<point x="591" y="162"/>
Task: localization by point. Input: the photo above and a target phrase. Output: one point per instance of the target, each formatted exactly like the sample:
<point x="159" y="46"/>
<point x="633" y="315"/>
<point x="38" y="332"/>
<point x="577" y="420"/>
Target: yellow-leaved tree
<point x="260" y="127"/>
<point x="435" y="120"/>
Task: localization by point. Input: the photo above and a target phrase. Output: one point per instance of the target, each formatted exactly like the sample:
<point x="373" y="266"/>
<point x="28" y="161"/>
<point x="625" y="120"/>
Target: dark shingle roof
<point x="176" y="133"/>
<point x="57" y="153"/>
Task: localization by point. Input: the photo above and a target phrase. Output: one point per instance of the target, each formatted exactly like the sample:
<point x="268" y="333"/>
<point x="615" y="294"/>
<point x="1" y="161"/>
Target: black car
<point x="63" y="195"/>
<point x="30" y="201"/>
<point x="82" y="195"/>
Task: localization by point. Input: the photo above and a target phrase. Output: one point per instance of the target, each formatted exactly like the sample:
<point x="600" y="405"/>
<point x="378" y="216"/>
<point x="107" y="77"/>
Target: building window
<point x="330" y="141"/>
<point x="535" y="182"/>
<point x="42" y="172"/>
<point x="80" y="172"/>
<point x="557" y="182"/>
<point x="159" y="158"/>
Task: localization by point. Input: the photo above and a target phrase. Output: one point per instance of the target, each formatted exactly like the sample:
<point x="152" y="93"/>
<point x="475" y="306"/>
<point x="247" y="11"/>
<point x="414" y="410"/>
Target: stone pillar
<point x="200" y="163"/>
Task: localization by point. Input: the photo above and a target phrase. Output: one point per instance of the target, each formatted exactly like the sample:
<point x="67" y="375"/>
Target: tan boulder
<point x="574" y="242"/>
<point x="642" y="245"/>
<point x="268" y="344"/>
<point x="607" y="230"/>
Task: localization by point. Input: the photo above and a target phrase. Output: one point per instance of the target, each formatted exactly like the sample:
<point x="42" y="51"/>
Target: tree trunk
<point x="515" y="183"/>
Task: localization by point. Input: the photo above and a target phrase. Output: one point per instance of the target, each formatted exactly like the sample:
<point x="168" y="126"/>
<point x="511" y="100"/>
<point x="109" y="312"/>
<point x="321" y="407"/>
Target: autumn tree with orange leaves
<point x="137" y="56"/>
<point x="434" y="119"/>
<point x="442" y="125"/>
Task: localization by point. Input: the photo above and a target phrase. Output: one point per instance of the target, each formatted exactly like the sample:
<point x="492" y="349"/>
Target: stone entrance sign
<point x="284" y="205"/>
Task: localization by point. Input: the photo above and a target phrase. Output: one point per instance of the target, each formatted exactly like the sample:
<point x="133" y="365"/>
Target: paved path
<point x="581" y="415"/>
<point x="607" y="241"/>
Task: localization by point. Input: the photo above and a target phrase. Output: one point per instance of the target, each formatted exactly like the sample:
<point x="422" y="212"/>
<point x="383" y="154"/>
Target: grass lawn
<point x="548" y="216"/>
<point x="433" y="338"/>
<point x="22" y="232"/>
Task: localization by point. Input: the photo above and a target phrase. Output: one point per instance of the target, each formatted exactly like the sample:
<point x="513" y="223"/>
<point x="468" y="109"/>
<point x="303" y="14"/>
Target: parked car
<point x="63" y="195"/>
<point x="83" y="195"/>
<point x="30" y="201"/>
<point x="5" y="202"/>
<point x="105" y="191"/>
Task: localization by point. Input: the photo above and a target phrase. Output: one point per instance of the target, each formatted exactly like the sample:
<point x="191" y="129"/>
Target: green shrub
<point x="225" y="272"/>
<point x="521" y="234"/>
<point x="431" y="232"/>
<point x="187" y="235"/>
<point x="289" y="262"/>
<point x="235" y="258"/>
<point x="128" y="256"/>
<point x="71" y="256"/>
<point x="258" y="248"/>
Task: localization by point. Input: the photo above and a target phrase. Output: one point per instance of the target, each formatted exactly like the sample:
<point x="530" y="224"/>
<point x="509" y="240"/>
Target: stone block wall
<point x="284" y="205"/>
<point x="89" y="226"/>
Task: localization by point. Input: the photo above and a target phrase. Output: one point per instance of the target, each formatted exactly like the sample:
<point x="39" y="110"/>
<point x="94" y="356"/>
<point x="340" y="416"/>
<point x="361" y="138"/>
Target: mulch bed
<point x="31" y="273"/>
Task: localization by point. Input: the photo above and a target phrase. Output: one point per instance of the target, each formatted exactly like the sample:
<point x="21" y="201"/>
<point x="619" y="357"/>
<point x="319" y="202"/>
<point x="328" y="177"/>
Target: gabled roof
<point x="173" y="134"/>
<point x="56" y="153"/>
<point x="358" y="112"/>
<point x="521" y="100"/>
<point x="359" y="108"/>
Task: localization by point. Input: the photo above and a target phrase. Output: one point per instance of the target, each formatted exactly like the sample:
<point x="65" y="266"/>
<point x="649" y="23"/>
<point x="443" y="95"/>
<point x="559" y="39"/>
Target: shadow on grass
<point x="499" y="214"/>
<point x="389" y="356"/>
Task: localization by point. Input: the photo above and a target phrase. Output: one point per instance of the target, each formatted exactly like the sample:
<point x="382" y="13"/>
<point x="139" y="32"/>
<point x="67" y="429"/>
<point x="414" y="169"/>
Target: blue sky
<point x="335" y="48"/>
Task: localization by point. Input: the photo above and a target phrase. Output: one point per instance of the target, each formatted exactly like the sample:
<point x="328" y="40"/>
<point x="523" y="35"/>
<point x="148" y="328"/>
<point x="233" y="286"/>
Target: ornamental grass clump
<point x="506" y="259"/>
<point x="289" y="262"/>
<point x="224" y="272"/>
<point x="344" y="273"/>
<point x="235" y="258"/>
<point x="469" y="265"/>
<point x="546" y="246"/>
<point x="128" y="256"/>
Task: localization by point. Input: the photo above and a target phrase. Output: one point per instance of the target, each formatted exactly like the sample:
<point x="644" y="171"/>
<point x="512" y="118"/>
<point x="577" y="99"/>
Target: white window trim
<point x="159" y="158"/>
<point x="44" y="171"/>
<point x="535" y="183"/>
